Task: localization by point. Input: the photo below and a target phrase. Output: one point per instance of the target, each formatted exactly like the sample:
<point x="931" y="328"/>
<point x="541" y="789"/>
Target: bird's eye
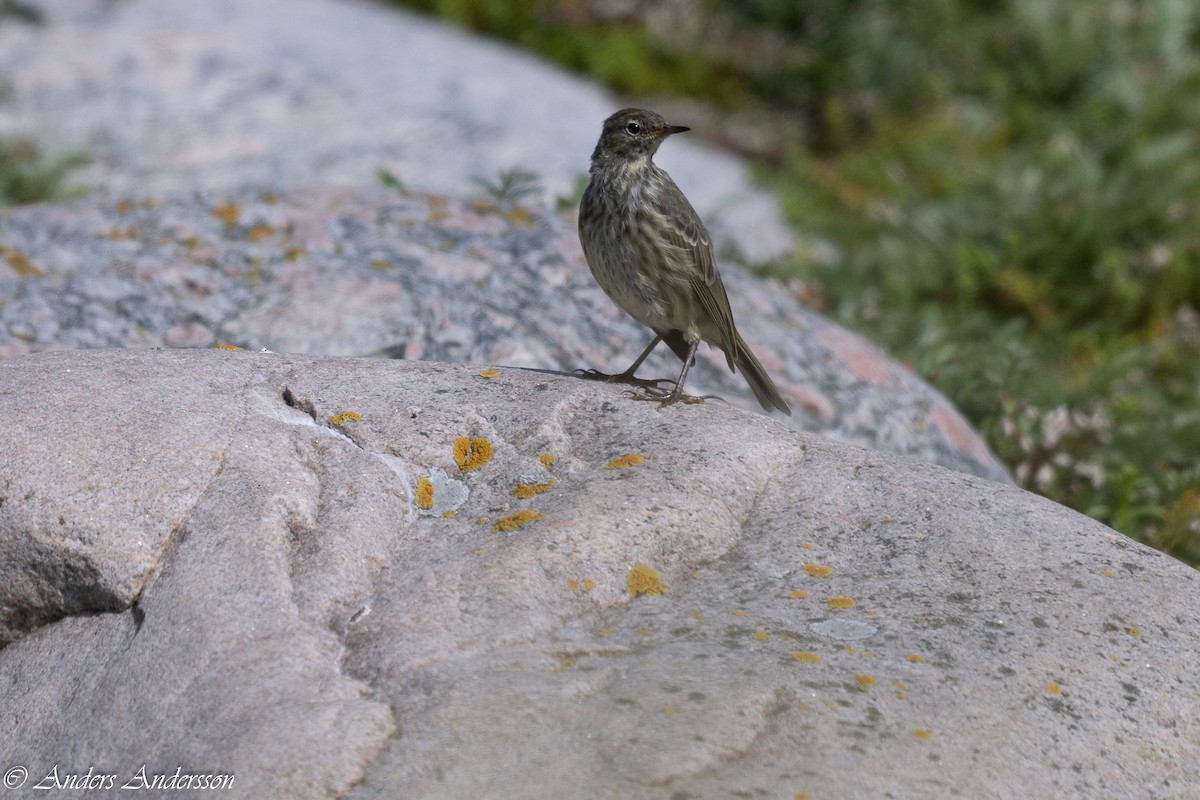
<point x="633" y="127"/>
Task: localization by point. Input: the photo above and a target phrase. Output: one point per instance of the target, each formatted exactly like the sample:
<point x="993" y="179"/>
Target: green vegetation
<point x="28" y="176"/>
<point x="1012" y="189"/>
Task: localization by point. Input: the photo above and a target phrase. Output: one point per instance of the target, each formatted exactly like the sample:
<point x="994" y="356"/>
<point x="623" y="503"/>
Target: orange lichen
<point x="489" y="373"/>
<point x="20" y="263"/>
<point x="225" y="347"/>
<point x="922" y="733"/>
<point x="916" y="659"/>
<point x="547" y="460"/>
<point x="797" y="595"/>
<point x="514" y="521"/>
<point x="865" y="682"/>
<point x="423" y="497"/>
<point x="818" y="571"/>
<point x="344" y="417"/>
<point x="644" y="580"/>
<point x="259" y="232"/>
<point x="806" y="657"/>
<point x="227" y="213"/>
<point x="628" y="460"/>
<point x="841" y="602"/>
<point x="807" y="545"/>
<point x="124" y="234"/>
<point x="451" y="514"/>
<point x="471" y="454"/>
<point x="525" y="491"/>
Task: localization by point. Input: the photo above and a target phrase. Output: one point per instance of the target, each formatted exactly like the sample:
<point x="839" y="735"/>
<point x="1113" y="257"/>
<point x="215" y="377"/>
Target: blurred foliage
<point x="1010" y="187"/>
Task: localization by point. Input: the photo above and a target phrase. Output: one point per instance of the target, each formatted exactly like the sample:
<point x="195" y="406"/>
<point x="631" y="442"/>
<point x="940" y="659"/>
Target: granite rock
<point x="218" y="562"/>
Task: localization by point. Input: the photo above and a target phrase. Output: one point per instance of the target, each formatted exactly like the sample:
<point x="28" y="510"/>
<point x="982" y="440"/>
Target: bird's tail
<point x="760" y="382"/>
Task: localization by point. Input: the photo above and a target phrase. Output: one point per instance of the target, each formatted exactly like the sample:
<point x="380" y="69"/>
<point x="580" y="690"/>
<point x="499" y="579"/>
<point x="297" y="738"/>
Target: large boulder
<point x="378" y="579"/>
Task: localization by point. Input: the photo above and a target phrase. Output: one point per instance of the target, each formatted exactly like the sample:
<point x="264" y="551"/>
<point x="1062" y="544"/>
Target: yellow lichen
<point x="697" y="614"/>
<point x="797" y="595"/>
<point x="588" y="584"/>
<point x="900" y="686"/>
<point x="1053" y="688"/>
<point x="423" y="497"/>
<point x="225" y="347"/>
<point x="864" y="682"/>
<point x="525" y="491"/>
<point x="841" y="602"/>
<point x="916" y="659"/>
<point x="760" y="636"/>
<point x="471" y="454"/>
<point x="572" y="584"/>
<point x="517" y="520"/>
<point x="547" y="460"/>
<point x="922" y="733"/>
<point x="227" y="213"/>
<point x="628" y="460"/>
<point x="1135" y="631"/>
<point x="644" y="580"/>
<point x="807" y="545"/>
<point x="643" y="632"/>
<point x="489" y="373"/>
<point x="818" y="571"/>
<point x="1108" y="573"/>
<point x="806" y="657"/>
<point x="381" y="264"/>
<point x="607" y="630"/>
<point x="344" y="417"/>
<point x="451" y="514"/>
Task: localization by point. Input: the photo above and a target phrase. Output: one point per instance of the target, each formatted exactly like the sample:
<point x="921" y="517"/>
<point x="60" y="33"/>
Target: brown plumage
<point x="649" y="251"/>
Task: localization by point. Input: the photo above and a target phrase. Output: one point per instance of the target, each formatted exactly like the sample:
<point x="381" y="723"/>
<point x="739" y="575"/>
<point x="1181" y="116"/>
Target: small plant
<point x="510" y="187"/>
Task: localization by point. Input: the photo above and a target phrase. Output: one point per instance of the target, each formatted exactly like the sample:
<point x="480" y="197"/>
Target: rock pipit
<point x="649" y="251"/>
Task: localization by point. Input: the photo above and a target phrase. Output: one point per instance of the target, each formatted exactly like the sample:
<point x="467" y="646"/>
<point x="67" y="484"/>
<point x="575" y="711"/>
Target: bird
<point x="651" y="254"/>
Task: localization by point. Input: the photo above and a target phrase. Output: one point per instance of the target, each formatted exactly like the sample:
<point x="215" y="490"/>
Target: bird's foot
<point x="649" y="384"/>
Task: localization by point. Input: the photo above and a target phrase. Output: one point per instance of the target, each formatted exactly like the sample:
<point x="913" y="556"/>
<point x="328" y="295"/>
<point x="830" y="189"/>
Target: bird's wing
<point x="685" y="230"/>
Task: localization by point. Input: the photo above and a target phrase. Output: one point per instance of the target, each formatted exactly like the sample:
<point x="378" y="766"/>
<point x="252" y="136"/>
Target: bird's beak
<point x="667" y="130"/>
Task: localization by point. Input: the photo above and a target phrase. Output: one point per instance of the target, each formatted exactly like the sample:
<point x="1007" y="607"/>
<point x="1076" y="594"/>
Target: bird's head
<point x="633" y="135"/>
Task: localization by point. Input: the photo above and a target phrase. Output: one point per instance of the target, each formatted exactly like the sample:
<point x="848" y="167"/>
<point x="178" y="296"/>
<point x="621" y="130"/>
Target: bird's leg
<point x="628" y="375"/>
<point x="676" y="395"/>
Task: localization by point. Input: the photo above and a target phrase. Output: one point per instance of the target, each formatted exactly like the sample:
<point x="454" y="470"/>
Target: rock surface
<point x="176" y="95"/>
<point x="422" y="277"/>
<point x="219" y="561"/>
